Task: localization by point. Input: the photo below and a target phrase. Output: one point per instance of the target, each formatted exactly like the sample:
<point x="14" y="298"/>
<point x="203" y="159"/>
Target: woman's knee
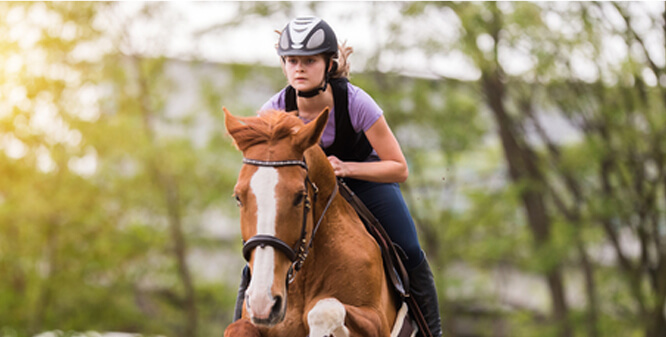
<point x="414" y="255"/>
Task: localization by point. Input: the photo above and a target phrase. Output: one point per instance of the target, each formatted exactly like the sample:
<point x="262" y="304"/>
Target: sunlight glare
<point x="15" y="15"/>
<point x="68" y="31"/>
<point x="88" y="109"/>
<point x="14" y="64"/>
<point x="44" y="116"/>
<point x="14" y="148"/>
<point x="25" y="35"/>
<point x="17" y="96"/>
<point x="44" y="161"/>
<point x="5" y="109"/>
<point x="85" y="166"/>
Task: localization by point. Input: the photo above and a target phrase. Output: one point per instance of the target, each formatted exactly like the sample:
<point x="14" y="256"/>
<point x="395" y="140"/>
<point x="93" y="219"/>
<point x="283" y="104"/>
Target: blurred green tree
<point x="103" y="187"/>
<point x="537" y="182"/>
<point x="580" y="196"/>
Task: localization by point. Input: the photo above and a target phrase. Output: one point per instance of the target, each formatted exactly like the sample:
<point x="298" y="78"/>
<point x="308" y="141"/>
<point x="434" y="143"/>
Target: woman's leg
<point x="240" y="298"/>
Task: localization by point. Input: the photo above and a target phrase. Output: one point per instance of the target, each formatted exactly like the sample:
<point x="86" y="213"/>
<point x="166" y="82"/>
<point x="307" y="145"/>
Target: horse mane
<point x="268" y="127"/>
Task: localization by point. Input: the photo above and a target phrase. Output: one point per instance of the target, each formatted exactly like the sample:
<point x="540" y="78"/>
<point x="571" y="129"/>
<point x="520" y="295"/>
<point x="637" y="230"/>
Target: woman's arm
<point x="392" y="167"/>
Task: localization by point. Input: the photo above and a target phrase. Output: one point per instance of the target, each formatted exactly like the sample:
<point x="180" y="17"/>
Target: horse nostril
<point x="277" y="306"/>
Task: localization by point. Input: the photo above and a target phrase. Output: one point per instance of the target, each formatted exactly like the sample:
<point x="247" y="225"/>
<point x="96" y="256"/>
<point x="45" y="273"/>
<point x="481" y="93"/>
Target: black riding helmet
<point x="305" y="36"/>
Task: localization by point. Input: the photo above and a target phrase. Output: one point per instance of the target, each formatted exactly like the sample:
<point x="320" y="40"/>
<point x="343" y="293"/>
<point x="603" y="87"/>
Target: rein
<point x="296" y="256"/>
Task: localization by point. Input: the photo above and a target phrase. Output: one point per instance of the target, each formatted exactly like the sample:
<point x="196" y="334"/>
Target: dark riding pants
<point x="386" y="203"/>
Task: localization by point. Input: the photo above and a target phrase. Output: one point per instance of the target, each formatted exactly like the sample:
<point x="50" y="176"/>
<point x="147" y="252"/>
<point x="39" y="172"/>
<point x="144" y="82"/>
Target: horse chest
<point x="288" y="328"/>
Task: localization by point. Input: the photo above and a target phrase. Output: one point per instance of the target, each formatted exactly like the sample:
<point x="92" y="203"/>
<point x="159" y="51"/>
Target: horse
<point x="316" y="271"/>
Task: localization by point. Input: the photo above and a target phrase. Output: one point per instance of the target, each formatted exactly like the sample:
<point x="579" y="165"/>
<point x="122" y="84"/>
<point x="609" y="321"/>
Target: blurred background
<point x="535" y="135"/>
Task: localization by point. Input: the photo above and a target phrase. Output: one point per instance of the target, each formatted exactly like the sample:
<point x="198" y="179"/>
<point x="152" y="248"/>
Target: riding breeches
<point x="386" y="203"/>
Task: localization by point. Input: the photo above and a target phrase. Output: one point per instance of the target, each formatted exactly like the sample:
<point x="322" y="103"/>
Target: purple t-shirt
<point x="363" y="113"/>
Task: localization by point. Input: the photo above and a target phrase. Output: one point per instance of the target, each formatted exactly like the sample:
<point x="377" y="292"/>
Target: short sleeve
<point x="363" y="110"/>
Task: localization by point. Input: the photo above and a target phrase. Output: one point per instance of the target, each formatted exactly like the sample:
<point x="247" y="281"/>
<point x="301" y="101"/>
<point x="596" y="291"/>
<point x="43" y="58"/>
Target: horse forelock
<point x="269" y="127"/>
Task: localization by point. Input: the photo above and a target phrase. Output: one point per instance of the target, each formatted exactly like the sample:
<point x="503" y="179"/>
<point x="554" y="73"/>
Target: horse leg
<point x="327" y="318"/>
<point x="242" y="328"/>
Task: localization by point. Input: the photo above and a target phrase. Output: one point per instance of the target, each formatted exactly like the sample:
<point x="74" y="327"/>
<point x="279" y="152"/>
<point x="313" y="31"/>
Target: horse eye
<point x="299" y="198"/>
<point x="238" y="201"/>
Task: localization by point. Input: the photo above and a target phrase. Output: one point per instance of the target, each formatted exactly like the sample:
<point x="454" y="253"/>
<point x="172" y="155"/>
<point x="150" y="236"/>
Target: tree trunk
<point x="169" y="187"/>
<point x="180" y="252"/>
<point x="523" y="169"/>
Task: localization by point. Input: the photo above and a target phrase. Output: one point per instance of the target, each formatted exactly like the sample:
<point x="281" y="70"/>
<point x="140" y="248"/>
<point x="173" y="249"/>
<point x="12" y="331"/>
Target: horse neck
<point x="320" y="171"/>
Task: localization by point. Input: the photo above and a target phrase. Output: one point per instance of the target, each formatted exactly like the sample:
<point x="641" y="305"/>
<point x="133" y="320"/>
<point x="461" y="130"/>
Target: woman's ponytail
<point x="342" y="60"/>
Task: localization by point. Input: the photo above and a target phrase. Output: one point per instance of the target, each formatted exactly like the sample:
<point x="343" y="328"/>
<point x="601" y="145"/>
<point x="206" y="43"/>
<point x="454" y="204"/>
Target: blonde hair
<point x="342" y="59"/>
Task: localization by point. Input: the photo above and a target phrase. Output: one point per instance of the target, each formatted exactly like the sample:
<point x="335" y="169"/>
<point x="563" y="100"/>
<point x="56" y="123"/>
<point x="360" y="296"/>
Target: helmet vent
<point x="284" y="41"/>
<point x="316" y="39"/>
<point x="300" y="28"/>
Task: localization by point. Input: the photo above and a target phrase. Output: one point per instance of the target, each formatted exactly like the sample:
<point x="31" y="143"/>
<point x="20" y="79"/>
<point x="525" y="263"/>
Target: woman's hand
<point x="392" y="166"/>
<point x="339" y="166"/>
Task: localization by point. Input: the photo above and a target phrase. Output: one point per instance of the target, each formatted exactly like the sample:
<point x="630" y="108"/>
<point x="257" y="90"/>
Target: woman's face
<point x="305" y="73"/>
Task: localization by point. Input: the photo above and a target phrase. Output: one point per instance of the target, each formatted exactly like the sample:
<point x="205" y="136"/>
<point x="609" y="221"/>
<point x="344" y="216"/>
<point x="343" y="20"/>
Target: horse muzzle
<point x="266" y="310"/>
<point x="266" y="295"/>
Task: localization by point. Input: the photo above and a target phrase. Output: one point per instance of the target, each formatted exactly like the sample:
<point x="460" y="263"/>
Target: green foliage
<point x="106" y="180"/>
<point x="94" y="206"/>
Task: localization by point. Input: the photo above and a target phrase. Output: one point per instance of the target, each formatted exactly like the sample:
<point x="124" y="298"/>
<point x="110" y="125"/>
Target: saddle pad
<point x="404" y="326"/>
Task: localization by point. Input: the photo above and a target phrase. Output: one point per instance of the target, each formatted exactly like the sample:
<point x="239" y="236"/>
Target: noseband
<point x="296" y="256"/>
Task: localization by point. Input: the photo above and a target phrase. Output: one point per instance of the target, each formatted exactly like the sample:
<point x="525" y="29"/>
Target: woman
<point x="359" y="143"/>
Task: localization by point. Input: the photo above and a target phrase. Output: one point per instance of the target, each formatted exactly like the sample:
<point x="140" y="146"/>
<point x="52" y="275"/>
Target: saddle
<point x="392" y="255"/>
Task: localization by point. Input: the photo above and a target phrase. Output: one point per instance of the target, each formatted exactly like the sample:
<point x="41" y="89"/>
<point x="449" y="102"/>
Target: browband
<point x="264" y="163"/>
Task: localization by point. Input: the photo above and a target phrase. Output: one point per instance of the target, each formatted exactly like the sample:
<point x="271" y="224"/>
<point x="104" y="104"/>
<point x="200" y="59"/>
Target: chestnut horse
<point x="315" y="269"/>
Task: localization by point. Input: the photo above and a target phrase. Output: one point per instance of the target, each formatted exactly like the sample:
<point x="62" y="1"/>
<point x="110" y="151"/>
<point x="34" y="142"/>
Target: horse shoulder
<point x="353" y="258"/>
<point x="359" y="242"/>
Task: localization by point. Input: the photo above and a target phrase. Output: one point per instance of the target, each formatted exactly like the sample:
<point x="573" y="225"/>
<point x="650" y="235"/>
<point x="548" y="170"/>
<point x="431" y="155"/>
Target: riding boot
<point x="422" y="288"/>
<point x="240" y="299"/>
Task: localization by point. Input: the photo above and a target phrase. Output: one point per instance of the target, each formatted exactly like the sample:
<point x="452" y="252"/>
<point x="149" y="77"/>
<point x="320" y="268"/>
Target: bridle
<point x="296" y="256"/>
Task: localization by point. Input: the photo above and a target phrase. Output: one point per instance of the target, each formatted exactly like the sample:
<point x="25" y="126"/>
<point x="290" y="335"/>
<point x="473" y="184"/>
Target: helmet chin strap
<point x="314" y="92"/>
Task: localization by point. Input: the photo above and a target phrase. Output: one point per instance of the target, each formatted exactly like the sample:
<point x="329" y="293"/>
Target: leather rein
<point x="298" y="255"/>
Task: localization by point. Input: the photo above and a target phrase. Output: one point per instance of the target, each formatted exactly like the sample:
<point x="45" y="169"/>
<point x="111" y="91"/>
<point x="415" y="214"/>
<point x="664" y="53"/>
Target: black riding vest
<point x="348" y="145"/>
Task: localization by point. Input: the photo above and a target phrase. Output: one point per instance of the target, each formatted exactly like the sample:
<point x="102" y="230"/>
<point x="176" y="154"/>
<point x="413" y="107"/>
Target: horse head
<point x="273" y="192"/>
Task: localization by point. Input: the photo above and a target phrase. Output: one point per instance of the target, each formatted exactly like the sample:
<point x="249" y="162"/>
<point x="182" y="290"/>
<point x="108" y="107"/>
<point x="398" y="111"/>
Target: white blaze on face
<point x="259" y="297"/>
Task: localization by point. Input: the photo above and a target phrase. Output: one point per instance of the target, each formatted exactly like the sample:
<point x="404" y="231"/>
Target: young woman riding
<point x="357" y="140"/>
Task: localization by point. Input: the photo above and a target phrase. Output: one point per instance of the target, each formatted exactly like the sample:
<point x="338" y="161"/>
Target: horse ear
<point x="231" y="122"/>
<point x="311" y="133"/>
